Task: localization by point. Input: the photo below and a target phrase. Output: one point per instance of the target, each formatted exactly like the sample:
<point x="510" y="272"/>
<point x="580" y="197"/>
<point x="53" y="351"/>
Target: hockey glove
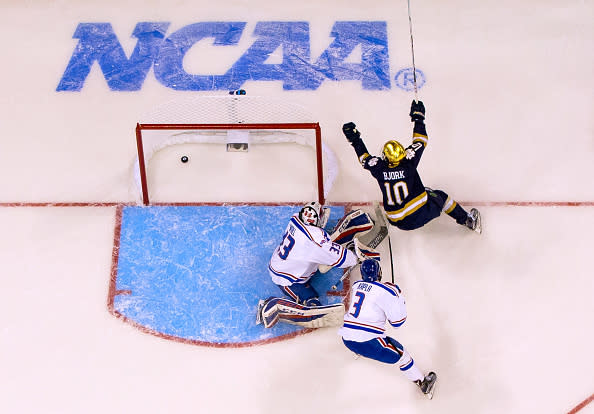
<point x="417" y="111"/>
<point x="350" y="131"/>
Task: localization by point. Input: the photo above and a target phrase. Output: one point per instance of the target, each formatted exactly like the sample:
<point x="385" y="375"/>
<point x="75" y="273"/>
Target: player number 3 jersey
<point x="372" y="304"/>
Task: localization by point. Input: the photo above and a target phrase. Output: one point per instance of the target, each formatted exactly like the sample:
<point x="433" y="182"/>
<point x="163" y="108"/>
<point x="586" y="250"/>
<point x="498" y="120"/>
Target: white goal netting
<point x="228" y="119"/>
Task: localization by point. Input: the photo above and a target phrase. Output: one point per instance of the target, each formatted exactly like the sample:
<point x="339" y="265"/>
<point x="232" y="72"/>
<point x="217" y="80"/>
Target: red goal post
<point x="214" y="119"/>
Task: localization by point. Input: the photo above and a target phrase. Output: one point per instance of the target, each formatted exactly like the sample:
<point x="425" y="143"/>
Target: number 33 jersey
<point x="372" y="304"/>
<point x="301" y="250"/>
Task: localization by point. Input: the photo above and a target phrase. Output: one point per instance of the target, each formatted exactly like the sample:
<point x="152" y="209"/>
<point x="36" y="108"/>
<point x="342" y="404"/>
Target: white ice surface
<point x="506" y="319"/>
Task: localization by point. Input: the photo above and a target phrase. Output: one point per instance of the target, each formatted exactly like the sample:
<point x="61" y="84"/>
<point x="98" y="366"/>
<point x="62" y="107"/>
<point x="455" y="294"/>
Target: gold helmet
<point x="393" y="152"/>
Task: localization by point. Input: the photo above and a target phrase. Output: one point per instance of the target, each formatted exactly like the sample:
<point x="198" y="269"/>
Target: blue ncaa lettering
<point x="97" y="42"/>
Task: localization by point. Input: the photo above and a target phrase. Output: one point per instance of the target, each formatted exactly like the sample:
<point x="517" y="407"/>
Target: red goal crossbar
<point x="314" y="126"/>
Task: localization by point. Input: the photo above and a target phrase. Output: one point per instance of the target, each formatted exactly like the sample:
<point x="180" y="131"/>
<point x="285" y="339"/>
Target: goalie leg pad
<point x="283" y="310"/>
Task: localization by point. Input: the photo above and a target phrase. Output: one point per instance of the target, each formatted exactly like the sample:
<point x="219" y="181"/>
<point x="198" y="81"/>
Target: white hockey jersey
<point x="302" y="249"/>
<point x="372" y="304"/>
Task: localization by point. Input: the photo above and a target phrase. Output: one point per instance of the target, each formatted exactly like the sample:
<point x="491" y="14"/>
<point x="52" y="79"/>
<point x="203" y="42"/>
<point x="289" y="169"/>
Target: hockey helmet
<point x="393" y="152"/>
<point x="371" y="270"/>
<point x="310" y="213"/>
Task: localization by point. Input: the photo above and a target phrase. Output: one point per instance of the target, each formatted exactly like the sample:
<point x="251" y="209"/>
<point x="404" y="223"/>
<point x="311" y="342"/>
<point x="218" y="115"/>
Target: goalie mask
<point x="310" y="213"/>
<point x="393" y="152"/>
<point x="371" y="270"/>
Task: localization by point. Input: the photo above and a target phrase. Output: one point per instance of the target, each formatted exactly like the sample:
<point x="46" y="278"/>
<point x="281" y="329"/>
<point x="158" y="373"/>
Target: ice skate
<point x="427" y="386"/>
<point x="261" y="304"/>
<point x="473" y="222"/>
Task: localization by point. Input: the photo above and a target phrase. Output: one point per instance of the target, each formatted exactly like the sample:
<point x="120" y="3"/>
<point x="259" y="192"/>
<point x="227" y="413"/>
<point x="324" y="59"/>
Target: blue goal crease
<point x="197" y="272"/>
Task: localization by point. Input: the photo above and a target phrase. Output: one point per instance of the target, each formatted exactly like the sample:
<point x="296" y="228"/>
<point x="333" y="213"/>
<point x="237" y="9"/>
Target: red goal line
<point x="352" y="203"/>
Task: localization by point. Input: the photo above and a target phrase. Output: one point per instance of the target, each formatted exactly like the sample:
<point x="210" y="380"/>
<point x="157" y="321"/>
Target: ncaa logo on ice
<point x="164" y="52"/>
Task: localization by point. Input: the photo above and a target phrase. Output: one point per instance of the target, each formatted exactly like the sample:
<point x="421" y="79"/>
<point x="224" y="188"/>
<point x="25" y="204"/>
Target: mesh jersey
<point x="301" y="250"/>
<point x="372" y="304"/>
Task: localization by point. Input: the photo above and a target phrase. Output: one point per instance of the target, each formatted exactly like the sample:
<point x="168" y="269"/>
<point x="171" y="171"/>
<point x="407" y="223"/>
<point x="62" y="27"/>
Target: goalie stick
<point x="380" y="213"/>
<point x="375" y="237"/>
<point x="381" y="219"/>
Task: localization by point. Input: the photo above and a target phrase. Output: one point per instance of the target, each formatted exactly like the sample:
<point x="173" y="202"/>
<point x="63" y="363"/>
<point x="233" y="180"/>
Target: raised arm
<point x="417" y="115"/>
<point x="353" y="136"/>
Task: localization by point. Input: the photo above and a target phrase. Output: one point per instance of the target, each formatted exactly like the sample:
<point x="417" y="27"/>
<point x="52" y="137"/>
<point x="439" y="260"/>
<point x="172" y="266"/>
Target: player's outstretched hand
<point x="417" y="111"/>
<point x="350" y="131"/>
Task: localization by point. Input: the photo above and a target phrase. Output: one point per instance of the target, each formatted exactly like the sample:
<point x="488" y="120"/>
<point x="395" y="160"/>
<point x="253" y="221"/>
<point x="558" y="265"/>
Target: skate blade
<point x="479" y="224"/>
<point x="259" y="312"/>
<point x="431" y="390"/>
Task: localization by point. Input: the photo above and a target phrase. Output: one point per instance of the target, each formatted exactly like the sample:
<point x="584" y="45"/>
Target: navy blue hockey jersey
<point x="403" y="191"/>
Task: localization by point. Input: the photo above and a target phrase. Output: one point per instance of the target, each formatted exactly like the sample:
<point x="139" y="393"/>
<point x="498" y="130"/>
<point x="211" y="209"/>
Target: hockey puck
<point x="184" y="159"/>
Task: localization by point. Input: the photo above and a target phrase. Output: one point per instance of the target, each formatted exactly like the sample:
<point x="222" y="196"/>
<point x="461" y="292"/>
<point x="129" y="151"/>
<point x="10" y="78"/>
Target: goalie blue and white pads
<point x="274" y="310"/>
<point x="355" y="223"/>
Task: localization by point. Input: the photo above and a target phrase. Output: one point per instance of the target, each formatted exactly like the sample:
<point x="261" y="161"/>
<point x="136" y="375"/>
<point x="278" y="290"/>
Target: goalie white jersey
<point x="301" y="250"/>
<point x="372" y="304"/>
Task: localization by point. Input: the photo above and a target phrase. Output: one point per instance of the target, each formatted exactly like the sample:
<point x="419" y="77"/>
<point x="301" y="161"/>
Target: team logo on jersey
<point x="373" y="161"/>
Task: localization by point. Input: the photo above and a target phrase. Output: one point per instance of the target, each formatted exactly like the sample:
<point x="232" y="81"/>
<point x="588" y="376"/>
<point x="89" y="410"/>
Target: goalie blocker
<point x="357" y="226"/>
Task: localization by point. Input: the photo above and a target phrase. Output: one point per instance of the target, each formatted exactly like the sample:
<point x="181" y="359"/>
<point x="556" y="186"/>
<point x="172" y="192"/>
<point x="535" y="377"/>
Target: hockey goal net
<point x="231" y="148"/>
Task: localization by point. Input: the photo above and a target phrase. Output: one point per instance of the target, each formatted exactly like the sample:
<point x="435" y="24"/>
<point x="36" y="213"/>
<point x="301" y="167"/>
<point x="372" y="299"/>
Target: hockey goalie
<point x="307" y="249"/>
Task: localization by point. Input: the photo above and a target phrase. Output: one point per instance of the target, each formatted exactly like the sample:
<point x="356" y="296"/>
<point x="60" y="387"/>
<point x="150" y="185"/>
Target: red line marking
<point x="346" y="287"/>
<point x="112" y="291"/>
<point x="61" y="204"/>
<point x="146" y="330"/>
<point x="267" y="203"/>
<point x="529" y="203"/>
<point x="582" y="404"/>
<point x="114" y="259"/>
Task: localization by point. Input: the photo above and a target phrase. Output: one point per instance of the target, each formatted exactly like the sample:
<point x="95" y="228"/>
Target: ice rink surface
<point x="505" y="318"/>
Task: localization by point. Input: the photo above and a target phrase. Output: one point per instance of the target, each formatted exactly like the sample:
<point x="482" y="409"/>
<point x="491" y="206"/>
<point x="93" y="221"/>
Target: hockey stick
<point x="412" y="48"/>
<point x="391" y="260"/>
<point x="375" y="237"/>
<point x="343" y="277"/>
<point x="384" y="232"/>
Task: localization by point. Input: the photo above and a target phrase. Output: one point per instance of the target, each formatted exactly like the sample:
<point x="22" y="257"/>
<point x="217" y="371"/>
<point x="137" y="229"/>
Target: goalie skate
<point x="427" y="386"/>
<point x="473" y="222"/>
<point x="261" y="304"/>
